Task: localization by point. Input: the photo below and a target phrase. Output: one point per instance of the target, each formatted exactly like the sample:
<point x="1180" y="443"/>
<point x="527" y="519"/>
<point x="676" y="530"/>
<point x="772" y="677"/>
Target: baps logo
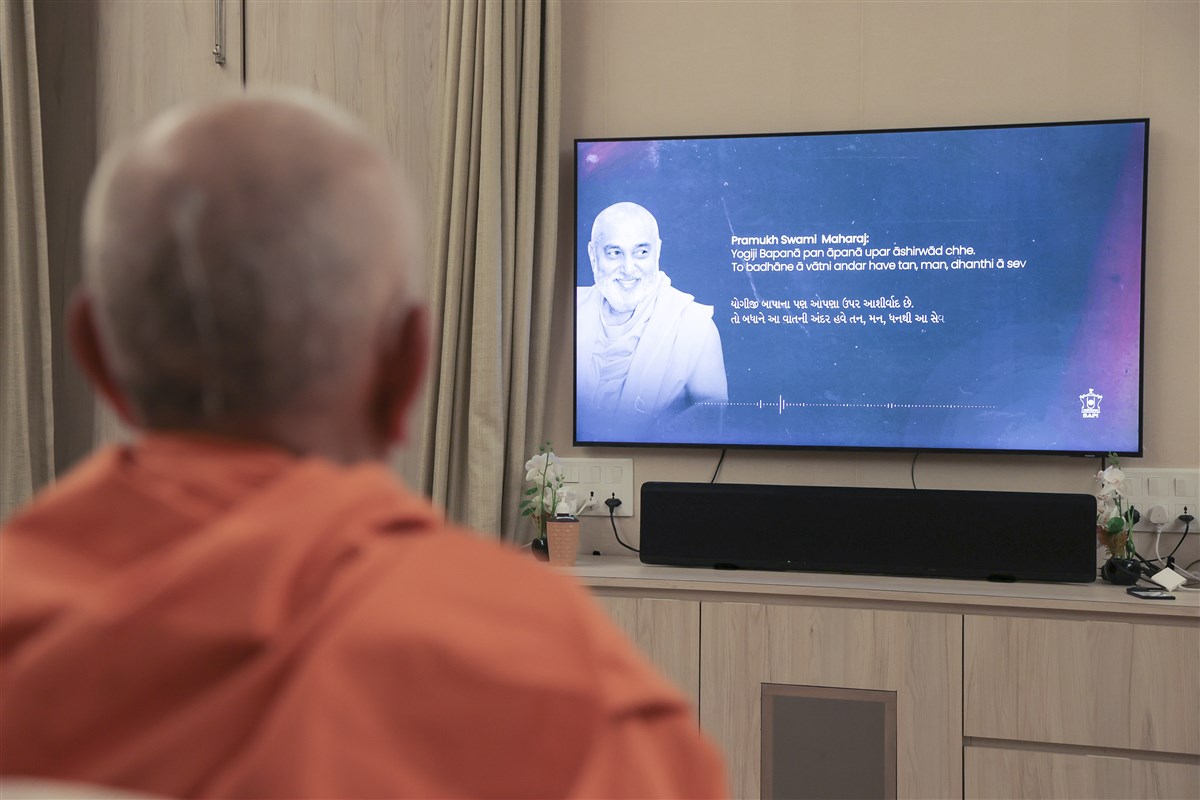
<point x="1091" y="404"/>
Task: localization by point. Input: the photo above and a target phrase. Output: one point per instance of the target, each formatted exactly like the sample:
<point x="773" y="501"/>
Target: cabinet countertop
<point x="1097" y="599"/>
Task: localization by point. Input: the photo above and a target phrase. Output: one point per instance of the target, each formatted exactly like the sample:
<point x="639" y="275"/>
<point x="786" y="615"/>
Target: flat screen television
<point x="970" y="289"/>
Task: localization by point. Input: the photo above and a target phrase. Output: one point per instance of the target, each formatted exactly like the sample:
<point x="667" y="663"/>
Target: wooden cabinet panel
<point x="998" y="774"/>
<point x="1082" y="682"/>
<point x="1158" y="779"/>
<point x="733" y="659"/>
<point x="668" y="634"/>
<point x="1164" y="690"/>
<point x="992" y="772"/>
<point x="1029" y="679"/>
<point x="916" y="655"/>
<point x="378" y="60"/>
<point x="153" y="54"/>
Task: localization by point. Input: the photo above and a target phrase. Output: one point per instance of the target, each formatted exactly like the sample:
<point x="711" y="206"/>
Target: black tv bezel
<point x="1144" y="121"/>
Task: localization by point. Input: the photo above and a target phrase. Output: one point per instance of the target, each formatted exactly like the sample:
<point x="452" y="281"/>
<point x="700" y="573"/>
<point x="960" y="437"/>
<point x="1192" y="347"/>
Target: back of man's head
<point x="245" y="264"/>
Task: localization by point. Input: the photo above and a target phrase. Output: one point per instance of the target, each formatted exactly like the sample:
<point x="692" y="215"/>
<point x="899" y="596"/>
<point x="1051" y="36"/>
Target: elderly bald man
<point x="244" y="602"/>
<point x="645" y="351"/>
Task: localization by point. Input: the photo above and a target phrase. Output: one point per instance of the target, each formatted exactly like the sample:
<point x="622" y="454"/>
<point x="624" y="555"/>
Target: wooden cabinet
<point x="1000" y="690"/>
<point x="152" y="54"/>
<point x="379" y="59"/>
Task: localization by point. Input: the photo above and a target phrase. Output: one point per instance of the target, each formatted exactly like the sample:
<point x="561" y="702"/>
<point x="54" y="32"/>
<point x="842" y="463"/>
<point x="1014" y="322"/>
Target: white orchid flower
<point x="535" y="466"/>
<point x="543" y="465"/>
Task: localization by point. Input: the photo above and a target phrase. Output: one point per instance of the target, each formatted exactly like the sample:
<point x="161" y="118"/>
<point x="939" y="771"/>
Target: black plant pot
<point x="1121" y="571"/>
<point x="540" y="549"/>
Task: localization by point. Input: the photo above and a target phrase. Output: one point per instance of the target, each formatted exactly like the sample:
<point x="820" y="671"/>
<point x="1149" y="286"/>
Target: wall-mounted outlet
<point x="604" y="477"/>
<point x="1174" y="489"/>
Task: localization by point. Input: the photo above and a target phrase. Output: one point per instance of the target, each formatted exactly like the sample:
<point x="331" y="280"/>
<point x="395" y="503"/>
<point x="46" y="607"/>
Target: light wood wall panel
<point x="115" y="64"/>
<point x="153" y="54"/>
<point x="916" y="655"/>
<point x="377" y="60"/>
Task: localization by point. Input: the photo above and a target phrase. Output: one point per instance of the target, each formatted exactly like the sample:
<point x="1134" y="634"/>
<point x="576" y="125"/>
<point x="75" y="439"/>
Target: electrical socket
<point x="604" y="477"/>
<point x="1173" y="489"/>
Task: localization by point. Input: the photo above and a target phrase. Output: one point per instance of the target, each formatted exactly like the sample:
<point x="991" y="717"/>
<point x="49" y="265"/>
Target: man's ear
<point x="85" y="345"/>
<point x="401" y="371"/>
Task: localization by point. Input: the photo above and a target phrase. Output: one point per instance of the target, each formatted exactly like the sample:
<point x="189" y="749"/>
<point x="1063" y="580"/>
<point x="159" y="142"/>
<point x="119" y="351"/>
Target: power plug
<point x="613" y="504"/>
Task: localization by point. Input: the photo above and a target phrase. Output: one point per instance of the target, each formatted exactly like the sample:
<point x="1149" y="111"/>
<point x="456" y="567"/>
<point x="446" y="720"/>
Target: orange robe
<point x="191" y="617"/>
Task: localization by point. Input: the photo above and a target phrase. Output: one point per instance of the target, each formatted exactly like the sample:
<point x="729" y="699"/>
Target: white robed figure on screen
<point x="645" y="351"/>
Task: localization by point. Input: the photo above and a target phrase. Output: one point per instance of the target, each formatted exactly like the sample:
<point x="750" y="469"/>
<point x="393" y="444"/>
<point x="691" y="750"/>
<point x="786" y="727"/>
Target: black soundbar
<point x="921" y="532"/>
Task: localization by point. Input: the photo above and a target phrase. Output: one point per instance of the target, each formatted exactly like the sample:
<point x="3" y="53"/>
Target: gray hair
<point x="245" y="258"/>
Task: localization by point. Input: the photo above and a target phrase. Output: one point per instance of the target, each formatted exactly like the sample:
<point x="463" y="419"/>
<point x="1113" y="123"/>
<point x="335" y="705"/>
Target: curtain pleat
<point x="494" y="263"/>
<point x="26" y="379"/>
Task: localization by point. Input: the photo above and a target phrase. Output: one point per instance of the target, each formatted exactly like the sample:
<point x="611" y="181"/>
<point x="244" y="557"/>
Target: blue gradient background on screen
<point x="1017" y="347"/>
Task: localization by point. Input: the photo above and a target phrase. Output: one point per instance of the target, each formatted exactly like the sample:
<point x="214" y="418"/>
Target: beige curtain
<point x="494" y="260"/>
<point x="26" y="387"/>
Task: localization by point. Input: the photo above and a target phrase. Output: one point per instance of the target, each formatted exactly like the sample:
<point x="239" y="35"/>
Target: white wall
<point x="640" y="67"/>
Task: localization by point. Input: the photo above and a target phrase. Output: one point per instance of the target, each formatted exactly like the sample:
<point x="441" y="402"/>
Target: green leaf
<point x="532" y="490"/>
<point x="1115" y="525"/>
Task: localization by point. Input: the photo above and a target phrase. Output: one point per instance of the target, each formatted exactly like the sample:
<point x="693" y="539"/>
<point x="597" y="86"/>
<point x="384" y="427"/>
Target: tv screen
<point x="944" y="289"/>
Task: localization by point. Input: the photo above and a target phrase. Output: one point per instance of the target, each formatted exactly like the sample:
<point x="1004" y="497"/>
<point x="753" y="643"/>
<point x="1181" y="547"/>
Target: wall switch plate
<point x="1174" y="489"/>
<point x="604" y="477"/>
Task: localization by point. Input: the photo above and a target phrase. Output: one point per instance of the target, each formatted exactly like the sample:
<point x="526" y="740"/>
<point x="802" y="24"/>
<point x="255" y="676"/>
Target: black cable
<point x="912" y="472"/>
<point x="718" y="469"/>
<point x="611" y="511"/>
<point x="1148" y="568"/>
<point x="1186" y="525"/>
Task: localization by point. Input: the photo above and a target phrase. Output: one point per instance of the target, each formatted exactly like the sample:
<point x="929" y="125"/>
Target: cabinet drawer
<point x="1107" y="684"/>
<point x="992" y="772"/>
